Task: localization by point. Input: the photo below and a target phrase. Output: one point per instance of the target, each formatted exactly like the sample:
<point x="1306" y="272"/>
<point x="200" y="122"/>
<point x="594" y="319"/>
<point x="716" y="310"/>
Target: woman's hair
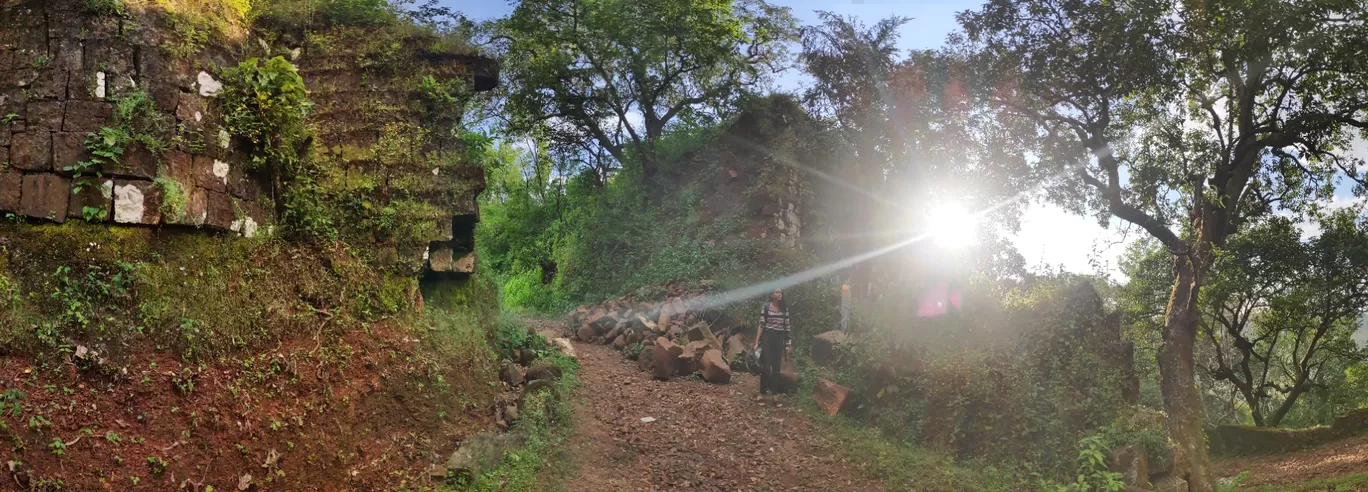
<point x="783" y="303"/>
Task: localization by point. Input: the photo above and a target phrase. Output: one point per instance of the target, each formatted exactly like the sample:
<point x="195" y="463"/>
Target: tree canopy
<point x="611" y="75"/>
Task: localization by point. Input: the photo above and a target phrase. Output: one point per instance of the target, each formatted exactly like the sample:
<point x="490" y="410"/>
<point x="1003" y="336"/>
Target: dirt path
<point x="704" y="437"/>
<point x="1339" y="458"/>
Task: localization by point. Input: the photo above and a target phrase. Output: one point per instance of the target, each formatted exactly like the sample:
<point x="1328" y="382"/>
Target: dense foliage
<point x="583" y="71"/>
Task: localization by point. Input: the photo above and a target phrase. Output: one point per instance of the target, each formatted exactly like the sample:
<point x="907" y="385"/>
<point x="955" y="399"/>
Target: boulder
<point x="566" y="347"/>
<point x="663" y="322"/>
<point x="700" y="331"/>
<point x="619" y="342"/>
<point x="688" y="359"/>
<point x="578" y="315"/>
<point x="735" y="347"/>
<point x="511" y="373"/>
<point x="543" y="371"/>
<point x="696" y="349"/>
<point x="482" y="451"/>
<point x="612" y="334"/>
<point x="646" y="323"/>
<point x="1132" y="464"/>
<point x="829" y="396"/>
<point x="715" y="370"/>
<point x="603" y="323"/>
<point x="824" y="347"/>
<point x="665" y="359"/>
<point x="645" y="357"/>
<point x="585" y="333"/>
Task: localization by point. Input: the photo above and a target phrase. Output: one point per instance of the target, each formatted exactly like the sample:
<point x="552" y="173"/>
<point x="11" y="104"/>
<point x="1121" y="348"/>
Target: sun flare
<point x="952" y="226"/>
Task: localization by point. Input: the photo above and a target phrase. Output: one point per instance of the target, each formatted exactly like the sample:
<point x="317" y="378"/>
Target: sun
<point x="952" y="226"/>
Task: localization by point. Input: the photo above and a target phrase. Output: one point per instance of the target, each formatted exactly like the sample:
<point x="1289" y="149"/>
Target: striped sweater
<point x="772" y="319"/>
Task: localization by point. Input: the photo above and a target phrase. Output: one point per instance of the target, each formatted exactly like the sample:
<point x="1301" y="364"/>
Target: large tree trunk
<point x="1178" y="383"/>
<point x="1286" y="406"/>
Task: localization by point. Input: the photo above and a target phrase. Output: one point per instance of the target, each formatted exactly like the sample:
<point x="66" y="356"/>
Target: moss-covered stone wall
<point x="110" y="115"/>
<point x="70" y="76"/>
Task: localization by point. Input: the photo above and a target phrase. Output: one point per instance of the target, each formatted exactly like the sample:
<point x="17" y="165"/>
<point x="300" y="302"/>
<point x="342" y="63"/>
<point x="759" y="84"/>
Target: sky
<point x="1049" y="237"/>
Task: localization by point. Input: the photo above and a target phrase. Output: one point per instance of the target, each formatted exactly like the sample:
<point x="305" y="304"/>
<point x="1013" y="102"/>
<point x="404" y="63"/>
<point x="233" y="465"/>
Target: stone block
<point x="136" y="202"/>
<point x="242" y="184"/>
<point x="114" y="57"/>
<point x="86" y="86"/>
<point x="825" y="347"/>
<point x="49" y="84"/>
<point x="190" y="109"/>
<point x="196" y="208"/>
<point x="12" y="101"/>
<point x="45" y="196"/>
<point x="68" y="150"/>
<point x="11" y="183"/>
<point x="218" y="210"/>
<point x="180" y="167"/>
<point x="250" y="219"/>
<point x="715" y="370"/>
<point x="45" y="115"/>
<point x="87" y="116"/>
<point x="68" y="53"/>
<point x="136" y="162"/>
<point x="210" y="173"/>
<point x="665" y="359"/>
<point x="98" y="195"/>
<point x="830" y="397"/>
<point x="31" y="151"/>
<point x="446" y="259"/>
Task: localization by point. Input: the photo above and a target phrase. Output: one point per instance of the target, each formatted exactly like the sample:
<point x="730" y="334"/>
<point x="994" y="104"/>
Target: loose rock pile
<point x="674" y="337"/>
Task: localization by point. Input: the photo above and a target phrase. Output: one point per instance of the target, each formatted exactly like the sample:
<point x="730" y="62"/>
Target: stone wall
<point x="64" y="69"/>
<point x="1238" y="440"/>
<point x="61" y="71"/>
<point x="371" y="118"/>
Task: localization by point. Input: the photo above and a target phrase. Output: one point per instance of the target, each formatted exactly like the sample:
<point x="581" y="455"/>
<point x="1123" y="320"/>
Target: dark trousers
<point x="772" y="344"/>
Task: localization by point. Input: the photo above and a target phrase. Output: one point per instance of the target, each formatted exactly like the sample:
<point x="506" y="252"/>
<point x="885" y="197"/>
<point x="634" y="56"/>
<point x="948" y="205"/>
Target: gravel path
<point x="703" y="437"/>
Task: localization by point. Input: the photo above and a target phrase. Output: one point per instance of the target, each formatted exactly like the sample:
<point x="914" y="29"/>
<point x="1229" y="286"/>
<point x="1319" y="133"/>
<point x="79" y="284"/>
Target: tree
<point x="611" y="75"/>
<point x="1285" y="310"/>
<point x="1186" y="119"/>
<point x="916" y="146"/>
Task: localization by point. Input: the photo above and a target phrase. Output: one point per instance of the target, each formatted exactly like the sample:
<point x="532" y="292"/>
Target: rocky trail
<point x="634" y="433"/>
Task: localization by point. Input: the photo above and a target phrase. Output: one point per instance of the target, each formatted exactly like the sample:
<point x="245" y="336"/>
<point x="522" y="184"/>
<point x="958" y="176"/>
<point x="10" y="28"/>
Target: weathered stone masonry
<point x="62" y="69"/>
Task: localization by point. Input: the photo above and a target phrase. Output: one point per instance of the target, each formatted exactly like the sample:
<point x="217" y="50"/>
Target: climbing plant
<point x="265" y="102"/>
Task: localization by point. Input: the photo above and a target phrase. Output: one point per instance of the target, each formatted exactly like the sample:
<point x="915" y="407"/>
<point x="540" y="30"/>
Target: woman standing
<point x="772" y="336"/>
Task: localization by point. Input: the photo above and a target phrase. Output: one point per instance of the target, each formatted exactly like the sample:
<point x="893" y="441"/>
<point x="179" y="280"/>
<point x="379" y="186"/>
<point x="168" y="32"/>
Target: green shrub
<point x="512" y="336"/>
<point x="265" y="102"/>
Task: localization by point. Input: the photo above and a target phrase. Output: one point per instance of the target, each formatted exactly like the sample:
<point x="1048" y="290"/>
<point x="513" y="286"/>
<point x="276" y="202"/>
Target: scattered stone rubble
<point x="678" y="336"/>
